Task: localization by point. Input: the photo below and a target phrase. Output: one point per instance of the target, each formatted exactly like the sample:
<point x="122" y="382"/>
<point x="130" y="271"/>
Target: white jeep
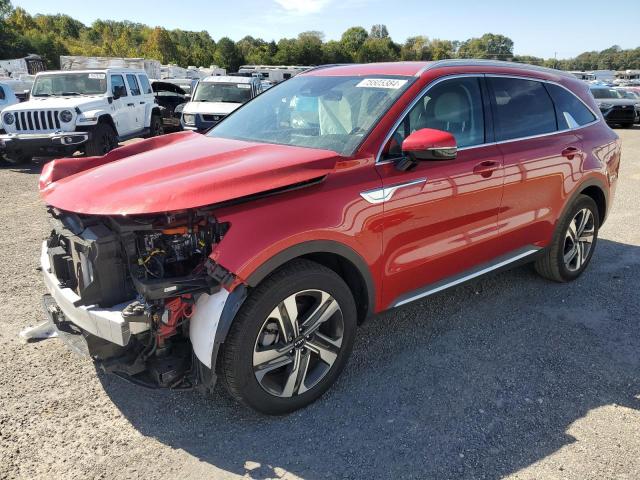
<point x="80" y="110"/>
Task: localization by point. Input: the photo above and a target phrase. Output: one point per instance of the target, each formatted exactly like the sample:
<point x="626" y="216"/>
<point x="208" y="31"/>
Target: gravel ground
<point x="510" y="377"/>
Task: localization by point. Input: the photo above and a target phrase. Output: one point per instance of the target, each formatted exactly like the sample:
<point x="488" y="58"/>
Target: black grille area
<point x="212" y="118"/>
<point x="620" y="113"/>
<point x="37" y="120"/>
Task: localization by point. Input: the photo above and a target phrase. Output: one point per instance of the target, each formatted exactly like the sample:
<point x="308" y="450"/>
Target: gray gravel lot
<point x="512" y="376"/>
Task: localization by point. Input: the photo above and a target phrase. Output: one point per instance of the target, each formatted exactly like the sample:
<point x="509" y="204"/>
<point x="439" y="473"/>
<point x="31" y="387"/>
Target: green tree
<point x="416" y="48"/>
<point x="159" y="46"/>
<point x="379" y="31"/>
<point x="227" y="55"/>
<point x="352" y="40"/>
<point x="378" y="50"/>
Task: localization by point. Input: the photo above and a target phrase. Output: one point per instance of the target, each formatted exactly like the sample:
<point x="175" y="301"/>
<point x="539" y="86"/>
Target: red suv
<point x="254" y="251"/>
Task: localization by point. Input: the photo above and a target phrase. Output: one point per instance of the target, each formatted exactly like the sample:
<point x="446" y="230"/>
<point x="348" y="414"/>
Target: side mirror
<point x="187" y="98"/>
<point x="430" y="144"/>
<point x="119" y="91"/>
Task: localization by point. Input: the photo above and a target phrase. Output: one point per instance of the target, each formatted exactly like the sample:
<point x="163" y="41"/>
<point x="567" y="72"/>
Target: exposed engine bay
<point x="154" y="266"/>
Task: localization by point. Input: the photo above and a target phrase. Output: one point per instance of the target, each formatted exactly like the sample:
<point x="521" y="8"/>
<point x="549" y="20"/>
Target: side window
<point x="2" y="96"/>
<point x="144" y="83"/>
<point x="523" y="108"/>
<point x="117" y="82"/>
<point x="133" y="84"/>
<point x="570" y="110"/>
<point x="454" y="106"/>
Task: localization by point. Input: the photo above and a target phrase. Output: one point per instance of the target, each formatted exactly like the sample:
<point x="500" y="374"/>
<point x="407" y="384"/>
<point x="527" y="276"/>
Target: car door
<point x="539" y="157"/>
<point x="122" y="111"/>
<point x="139" y="104"/>
<point x="440" y="217"/>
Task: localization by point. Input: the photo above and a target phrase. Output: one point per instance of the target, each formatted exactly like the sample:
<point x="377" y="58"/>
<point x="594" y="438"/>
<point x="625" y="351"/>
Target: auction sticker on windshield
<point x="391" y="83"/>
<point x="98" y="76"/>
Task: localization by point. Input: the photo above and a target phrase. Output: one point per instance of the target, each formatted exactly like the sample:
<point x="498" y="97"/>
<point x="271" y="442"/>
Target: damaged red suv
<point x="252" y="253"/>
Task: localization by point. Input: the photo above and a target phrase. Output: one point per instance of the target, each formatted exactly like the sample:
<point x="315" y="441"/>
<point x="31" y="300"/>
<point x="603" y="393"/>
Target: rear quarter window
<point x="570" y="110"/>
<point x="144" y="83"/>
<point x="523" y="108"/>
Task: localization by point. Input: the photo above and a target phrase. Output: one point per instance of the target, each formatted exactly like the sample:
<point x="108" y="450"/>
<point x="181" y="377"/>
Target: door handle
<point x="570" y="152"/>
<point x="486" y="168"/>
<point x="129" y="104"/>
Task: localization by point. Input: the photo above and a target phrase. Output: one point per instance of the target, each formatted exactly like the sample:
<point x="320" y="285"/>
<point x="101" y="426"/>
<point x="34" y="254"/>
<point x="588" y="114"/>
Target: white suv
<point x="87" y="110"/>
<point x="216" y="97"/>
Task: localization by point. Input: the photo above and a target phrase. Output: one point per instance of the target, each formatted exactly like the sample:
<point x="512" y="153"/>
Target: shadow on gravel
<point x="31" y="167"/>
<point x="478" y="382"/>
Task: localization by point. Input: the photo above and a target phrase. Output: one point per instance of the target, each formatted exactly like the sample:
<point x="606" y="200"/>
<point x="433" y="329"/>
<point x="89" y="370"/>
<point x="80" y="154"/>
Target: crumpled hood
<point x="176" y="172"/>
<point x="69" y="103"/>
<point x="213" y="108"/>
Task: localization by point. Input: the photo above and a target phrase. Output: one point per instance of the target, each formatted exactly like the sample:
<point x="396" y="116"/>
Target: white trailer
<point x="273" y="73"/>
<point x="79" y="62"/>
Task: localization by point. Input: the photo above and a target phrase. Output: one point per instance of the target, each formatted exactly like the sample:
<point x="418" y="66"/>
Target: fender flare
<point x="590" y="182"/>
<point x="214" y="314"/>
<point x="317" y="246"/>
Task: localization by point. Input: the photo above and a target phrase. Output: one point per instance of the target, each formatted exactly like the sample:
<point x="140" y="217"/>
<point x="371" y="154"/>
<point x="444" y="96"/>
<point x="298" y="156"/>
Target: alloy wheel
<point x="578" y="240"/>
<point x="298" y="343"/>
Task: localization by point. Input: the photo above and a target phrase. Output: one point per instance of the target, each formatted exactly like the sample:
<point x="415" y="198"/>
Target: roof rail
<point x="327" y="65"/>
<point x="471" y="62"/>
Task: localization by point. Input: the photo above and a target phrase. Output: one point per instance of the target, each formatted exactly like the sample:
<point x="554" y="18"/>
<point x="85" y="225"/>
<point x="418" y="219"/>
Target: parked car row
<point x="619" y="106"/>
<point x="91" y="111"/>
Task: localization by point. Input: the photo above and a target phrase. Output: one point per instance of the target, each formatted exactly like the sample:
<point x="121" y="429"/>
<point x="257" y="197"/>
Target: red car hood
<point x="176" y="172"/>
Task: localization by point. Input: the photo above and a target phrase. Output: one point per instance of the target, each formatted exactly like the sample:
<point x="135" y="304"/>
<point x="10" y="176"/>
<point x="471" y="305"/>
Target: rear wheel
<point x="290" y="340"/>
<point x="102" y="140"/>
<point x="155" y="126"/>
<point x="573" y="244"/>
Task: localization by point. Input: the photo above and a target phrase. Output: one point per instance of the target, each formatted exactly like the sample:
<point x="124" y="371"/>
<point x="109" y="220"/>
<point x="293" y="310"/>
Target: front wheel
<point x="573" y="244"/>
<point x="290" y="340"/>
<point x="103" y="139"/>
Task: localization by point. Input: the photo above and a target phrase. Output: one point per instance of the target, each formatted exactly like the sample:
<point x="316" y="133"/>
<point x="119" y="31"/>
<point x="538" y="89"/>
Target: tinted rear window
<point x="144" y="82"/>
<point x="523" y="108"/>
<point x="570" y="110"/>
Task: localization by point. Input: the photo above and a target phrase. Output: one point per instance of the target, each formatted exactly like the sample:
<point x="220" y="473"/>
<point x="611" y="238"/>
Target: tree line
<point x="53" y="35"/>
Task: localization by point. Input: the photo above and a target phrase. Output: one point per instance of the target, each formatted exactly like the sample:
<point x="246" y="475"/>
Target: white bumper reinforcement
<point x="106" y="323"/>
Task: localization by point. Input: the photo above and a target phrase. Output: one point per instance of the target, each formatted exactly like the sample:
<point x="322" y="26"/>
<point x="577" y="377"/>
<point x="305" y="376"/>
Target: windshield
<point x="333" y="113"/>
<point x="605" y="93"/>
<point x="70" y="84"/>
<point x="223" y="92"/>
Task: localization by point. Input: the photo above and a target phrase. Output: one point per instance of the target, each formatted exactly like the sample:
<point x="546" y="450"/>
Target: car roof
<point x="416" y="69"/>
<point x="228" y="79"/>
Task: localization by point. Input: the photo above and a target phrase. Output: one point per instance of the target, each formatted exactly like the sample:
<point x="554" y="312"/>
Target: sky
<point x="544" y="28"/>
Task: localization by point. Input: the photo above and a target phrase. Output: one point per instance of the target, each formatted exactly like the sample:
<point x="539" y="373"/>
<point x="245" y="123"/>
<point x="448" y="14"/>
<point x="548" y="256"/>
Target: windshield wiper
<point x="42" y="95"/>
<point x="66" y="94"/>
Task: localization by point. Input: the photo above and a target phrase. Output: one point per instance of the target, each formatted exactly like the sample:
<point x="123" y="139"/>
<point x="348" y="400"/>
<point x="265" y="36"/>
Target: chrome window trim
<point x="438" y="80"/>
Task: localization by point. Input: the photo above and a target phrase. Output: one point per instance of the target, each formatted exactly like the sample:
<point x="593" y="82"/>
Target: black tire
<point x="18" y="159"/>
<point x="155" y="127"/>
<point x="102" y="140"/>
<point x="238" y="351"/>
<point x="627" y="125"/>
<point x="552" y="264"/>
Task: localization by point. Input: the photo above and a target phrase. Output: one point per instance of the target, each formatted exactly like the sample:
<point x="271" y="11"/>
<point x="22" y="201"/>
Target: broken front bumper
<point x="105" y="323"/>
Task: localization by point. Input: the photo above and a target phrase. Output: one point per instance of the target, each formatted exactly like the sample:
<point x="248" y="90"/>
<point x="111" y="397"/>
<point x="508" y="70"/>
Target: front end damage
<point x="125" y="290"/>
